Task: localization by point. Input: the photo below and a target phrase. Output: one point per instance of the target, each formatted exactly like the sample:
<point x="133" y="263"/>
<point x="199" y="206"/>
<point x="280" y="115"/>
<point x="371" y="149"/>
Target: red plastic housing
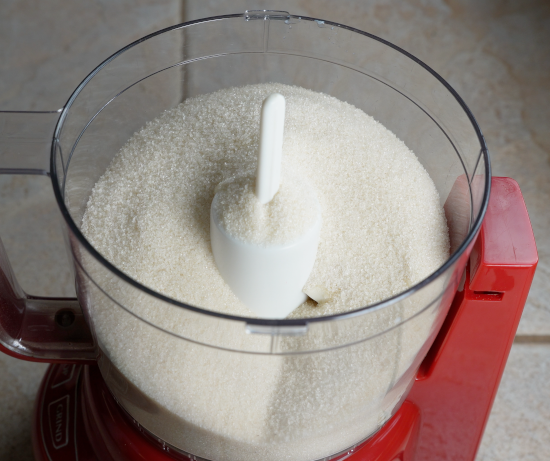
<point x="444" y="415"/>
<point x="459" y="378"/>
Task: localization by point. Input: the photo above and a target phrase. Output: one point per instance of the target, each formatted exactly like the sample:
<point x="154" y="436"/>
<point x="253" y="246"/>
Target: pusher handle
<point x="267" y="278"/>
<point x="272" y="123"/>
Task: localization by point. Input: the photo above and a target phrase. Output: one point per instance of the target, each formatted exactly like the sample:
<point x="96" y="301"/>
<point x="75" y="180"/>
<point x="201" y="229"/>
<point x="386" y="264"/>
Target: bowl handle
<point x="35" y="328"/>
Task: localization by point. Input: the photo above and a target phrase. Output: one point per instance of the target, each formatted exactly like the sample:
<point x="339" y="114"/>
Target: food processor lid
<point x="74" y="229"/>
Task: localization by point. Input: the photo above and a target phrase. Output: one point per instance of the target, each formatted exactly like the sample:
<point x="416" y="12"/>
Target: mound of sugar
<point x="383" y="226"/>
<point x="290" y="214"/>
<point x="383" y="230"/>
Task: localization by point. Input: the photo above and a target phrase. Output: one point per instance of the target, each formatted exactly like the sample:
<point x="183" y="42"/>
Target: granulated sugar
<point x="383" y="226"/>
<point x="289" y="215"/>
<point x="383" y="230"/>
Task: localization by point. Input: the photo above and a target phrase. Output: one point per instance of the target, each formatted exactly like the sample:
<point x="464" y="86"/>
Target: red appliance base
<point x="77" y="418"/>
<point x="444" y="416"/>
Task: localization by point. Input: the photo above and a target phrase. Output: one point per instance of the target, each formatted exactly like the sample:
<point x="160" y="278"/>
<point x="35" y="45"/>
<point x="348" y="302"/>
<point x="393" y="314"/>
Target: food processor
<point x="412" y="377"/>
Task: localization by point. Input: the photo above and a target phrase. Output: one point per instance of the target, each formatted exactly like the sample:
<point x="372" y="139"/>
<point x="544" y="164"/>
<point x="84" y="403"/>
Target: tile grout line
<point x="532" y="339"/>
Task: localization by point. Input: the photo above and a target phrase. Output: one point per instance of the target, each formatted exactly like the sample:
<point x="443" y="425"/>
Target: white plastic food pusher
<point x="268" y="279"/>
